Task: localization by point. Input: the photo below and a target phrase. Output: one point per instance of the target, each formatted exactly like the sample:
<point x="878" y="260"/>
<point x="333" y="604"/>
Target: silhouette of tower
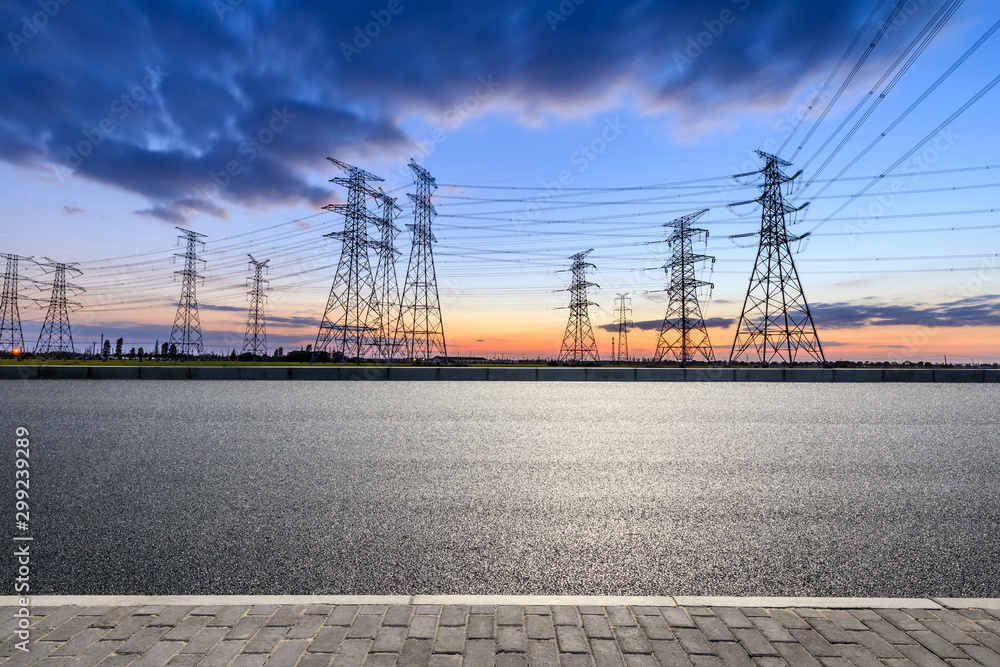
<point x="775" y="324"/>
<point x="683" y="334"/>
<point x="624" y="313"/>
<point x="386" y="314"/>
<point x="579" y="345"/>
<point x="255" y="340"/>
<point x="56" y="336"/>
<point x="347" y="324"/>
<point x="11" y="336"/>
<point x="186" y="332"/>
<point x="420" y="311"/>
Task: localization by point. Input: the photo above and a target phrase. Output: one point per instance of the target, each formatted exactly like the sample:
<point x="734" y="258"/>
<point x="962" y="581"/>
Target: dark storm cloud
<point x="654" y="325"/>
<point x="167" y="100"/>
<point x="975" y="311"/>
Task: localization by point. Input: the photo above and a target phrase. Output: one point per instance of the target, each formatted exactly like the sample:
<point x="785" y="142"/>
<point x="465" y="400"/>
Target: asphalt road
<point x="531" y="488"/>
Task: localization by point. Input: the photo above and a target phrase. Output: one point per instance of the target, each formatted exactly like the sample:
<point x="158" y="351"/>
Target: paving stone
<point x="692" y="641"/>
<point x="249" y="660"/>
<point x="480" y="652"/>
<point x="706" y="661"/>
<point x="84" y="611"/>
<point x="987" y="639"/>
<point x="172" y="615"/>
<point x="834" y="662"/>
<point x="864" y="614"/>
<point x="921" y="614"/>
<point x="754" y="642"/>
<point x="957" y="619"/>
<point x="574" y="660"/>
<point x="635" y="660"/>
<point x="124" y="629"/>
<point x="514" y="660"/>
<point x="949" y="632"/>
<point x="67" y="630"/>
<point x="538" y="627"/>
<point x="246" y="627"/>
<point x="830" y="631"/>
<point x="631" y="640"/>
<point x="620" y="616"/>
<point x="227" y="617"/>
<point x="450" y="640"/>
<point x="80" y="642"/>
<point x="699" y="611"/>
<point x="141" y="641"/>
<point x="415" y="653"/>
<point x="543" y="653"/>
<point x="796" y="654"/>
<point x="446" y="661"/>
<point x="752" y="611"/>
<point x="654" y="627"/>
<point x="287" y="653"/>
<point x="859" y="655"/>
<point x="373" y="609"/>
<point x="427" y="609"/>
<point x="902" y="621"/>
<point x="571" y="640"/>
<point x="606" y="653"/>
<point x="975" y="614"/>
<point x="399" y="614"/>
<point x="352" y="653"/>
<point x="643" y="610"/>
<point x="315" y="660"/>
<point x="814" y="642"/>
<point x="328" y="640"/>
<point x="921" y="657"/>
<point x="364" y="627"/>
<point x="94" y="654"/>
<point x="732" y="654"/>
<point x="676" y="617"/>
<point x="480" y="626"/>
<point x="262" y="610"/>
<point x="591" y="609"/>
<point x="936" y="645"/>
<point x="597" y="627"/>
<point x="771" y="629"/>
<point x="389" y="639"/>
<point x="538" y="609"/>
<point x="453" y="615"/>
<point x="342" y="614"/>
<point x="787" y="618"/>
<point x="510" y="615"/>
<point x="844" y="620"/>
<point x="732" y="617"/>
<point x="306" y="627"/>
<point x="879" y="647"/>
<point x="982" y="655"/>
<point x="319" y="609"/>
<point x="158" y="654"/>
<point x="265" y="640"/>
<point x="381" y="660"/>
<point x="510" y="639"/>
<point x="223" y="654"/>
<point x="186" y="629"/>
<point x="184" y="660"/>
<point x="421" y="627"/>
<point x="150" y="610"/>
<point x="207" y="610"/>
<point x="770" y="662"/>
<point x="565" y="614"/>
<point x="483" y="609"/>
<point x="286" y="616"/>
<point x="713" y="629"/>
<point x="204" y="641"/>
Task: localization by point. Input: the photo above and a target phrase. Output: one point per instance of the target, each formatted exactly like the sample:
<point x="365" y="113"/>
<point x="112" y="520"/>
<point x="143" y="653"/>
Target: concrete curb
<point x="578" y="600"/>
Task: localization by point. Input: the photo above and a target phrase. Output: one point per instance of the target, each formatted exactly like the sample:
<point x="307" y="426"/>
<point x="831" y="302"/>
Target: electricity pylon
<point x="683" y="334"/>
<point x="347" y="321"/>
<point x="186" y="332"/>
<point x="255" y="340"/>
<point x="56" y="335"/>
<point x="775" y="324"/>
<point x="386" y="314"/>
<point x="420" y="311"/>
<point x="11" y="336"/>
<point x="579" y="345"/>
<point x="624" y="321"/>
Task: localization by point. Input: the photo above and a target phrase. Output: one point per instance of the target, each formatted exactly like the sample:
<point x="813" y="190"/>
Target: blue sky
<point x="509" y="107"/>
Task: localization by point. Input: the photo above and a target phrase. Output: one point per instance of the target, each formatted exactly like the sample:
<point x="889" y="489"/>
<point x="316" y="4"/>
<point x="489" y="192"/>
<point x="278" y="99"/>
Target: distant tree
<point x="165" y="350"/>
<point x="279" y="353"/>
<point x="141" y="353"/>
<point x="232" y="355"/>
<point x="118" y="347"/>
<point x="309" y="348"/>
<point x="107" y="348"/>
<point x="131" y="353"/>
<point x="156" y="349"/>
<point x="173" y="351"/>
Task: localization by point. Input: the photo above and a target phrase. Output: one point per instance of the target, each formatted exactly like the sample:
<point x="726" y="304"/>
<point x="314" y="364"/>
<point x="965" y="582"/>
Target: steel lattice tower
<point x="352" y="306"/>
<point x="420" y="310"/>
<point x="623" y="313"/>
<point x="255" y="340"/>
<point x="11" y="336"/>
<point x="186" y="332"/>
<point x="683" y="334"/>
<point x="56" y="336"/>
<point x="776" y="323"/>
<point x="579" y="345"/>
<point x="386" y="281"/>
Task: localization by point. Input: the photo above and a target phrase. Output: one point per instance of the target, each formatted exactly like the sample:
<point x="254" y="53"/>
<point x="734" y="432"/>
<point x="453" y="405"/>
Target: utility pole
<point x="56" y="336"/>
<point x="579" y="345"/>
<point x="186" y="332"/>
<point x="255" y="340"/>
<point x="11" y="336"/>
<point x="386" y="280"/>
<point x="420" y="313"/>
<point x="352" y="307"/>
<point x="775" y="324"/>
<point x="624" y="320"/>
<point x="684" y="334"/>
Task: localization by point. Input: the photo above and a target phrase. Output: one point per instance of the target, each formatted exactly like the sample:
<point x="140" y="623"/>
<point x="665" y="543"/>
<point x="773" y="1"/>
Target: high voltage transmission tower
<point x="11" y="337"/>
<point x="420" y="311"/>
<point x="579" y="345"/>
<point x="352" y="307"/>
<point x="775" y="324"/>
<point x="56" y="336"/>
<point x="683" y="334"/>
<point x="255" y="340"/>
<point x="386" y="281"/>
<point x="624" y="313"/>
<point x="186" y="332"/>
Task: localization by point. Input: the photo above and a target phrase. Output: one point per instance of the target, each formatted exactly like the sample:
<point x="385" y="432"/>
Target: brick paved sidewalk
<point x="502" y="635"/>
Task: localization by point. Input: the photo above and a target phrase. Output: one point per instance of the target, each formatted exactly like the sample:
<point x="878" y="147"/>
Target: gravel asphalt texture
<point x="147" y="487"/>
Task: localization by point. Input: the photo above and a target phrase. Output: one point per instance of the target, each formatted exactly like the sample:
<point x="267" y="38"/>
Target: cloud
<point x="981" y="310"/>
<point x="655" y="325"/>
<point x="71" y="210"/>
<point x="202" y="135"/>
<point x="269" y="319"/>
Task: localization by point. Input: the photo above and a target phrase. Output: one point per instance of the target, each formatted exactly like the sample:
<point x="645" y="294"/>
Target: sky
<point x="550" y="127"/>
